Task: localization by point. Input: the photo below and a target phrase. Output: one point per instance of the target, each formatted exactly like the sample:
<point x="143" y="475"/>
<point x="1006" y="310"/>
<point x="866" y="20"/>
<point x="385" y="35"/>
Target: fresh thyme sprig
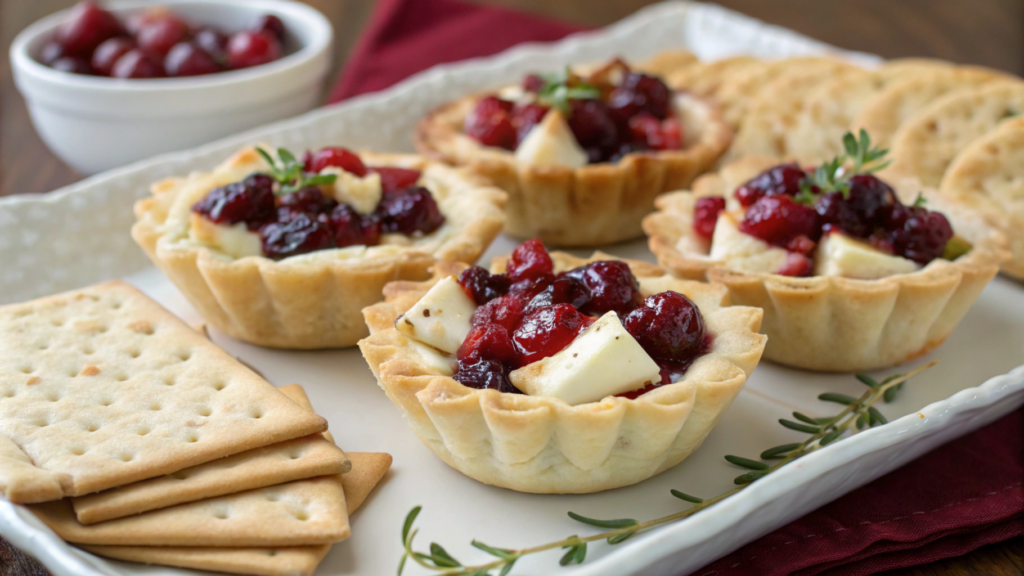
<point x="560" y="87"/>
<point x="858" y="414"/>
<point x="291" y="173"/>
<point x="834" y="175"/>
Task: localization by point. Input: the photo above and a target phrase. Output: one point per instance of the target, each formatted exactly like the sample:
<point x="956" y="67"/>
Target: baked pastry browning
<point x="543" y="444"/>
<point x="568" y="201"/>
<point x="867" y="300"/>
<point x="310" y="300"/>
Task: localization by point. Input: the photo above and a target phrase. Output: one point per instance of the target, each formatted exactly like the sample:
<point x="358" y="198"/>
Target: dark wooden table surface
<point x="985" y="32"/>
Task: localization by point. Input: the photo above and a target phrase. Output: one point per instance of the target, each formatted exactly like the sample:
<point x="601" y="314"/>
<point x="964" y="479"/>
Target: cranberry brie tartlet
<point x="555" y="374"/>
<point x="581" y="154"/>
<point x="286" y="253"/>
<point x="850" y="277"/>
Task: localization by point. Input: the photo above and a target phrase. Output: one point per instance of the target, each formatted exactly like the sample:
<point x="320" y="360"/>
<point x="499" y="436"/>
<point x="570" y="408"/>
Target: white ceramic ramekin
<point x="96" y="123"/>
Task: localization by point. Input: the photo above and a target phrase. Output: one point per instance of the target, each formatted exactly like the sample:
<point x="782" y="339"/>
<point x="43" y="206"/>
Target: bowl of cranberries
<point x="109" y="84"/>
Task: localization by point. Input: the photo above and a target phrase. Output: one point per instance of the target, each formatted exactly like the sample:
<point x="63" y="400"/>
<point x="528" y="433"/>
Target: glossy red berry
<point x="918" y="234"/>
<point x="640" y="93"/>
<point x="594" y="128"/>
<point x="705" y="215"/>
<point x="188" y="59"/>
<point x="529" y="261"/>
<point x="107" y="54"/>
<point x="310" y="199"/>
<point x="778" y="219"/>
<point x="409" y="211"/>
<point x="250" y="201"/>
<point x="351" y="228"/>
<point x="72" y="64"/>
<point x="564" y="290"/>
<point x="159" y="35"/>
<point x="547" y="331"/>
<point x="525" y="117"/>
<point x="482" y="286"/>
<point x="506" y="311"/>
<point x="269" y="23"/>
<point x="136" y="63"/>
<point x="213" y="42"/>
<point x="485" y="375"/>
<point x="296" y="233"/>
<point x="247" y="49"/>
<point x="668" y="326"/>
<point x="87" y="27"/>
<point x="533" y="83"/>
<point x="783" y="179"/>
<point x="612" y="285"/>
<point x="490" y="123"/>
<point x="392" y="178"/>
<point x="870" y="199"/>
<point x="335" y="156"/>
<point x="490" y="342"/>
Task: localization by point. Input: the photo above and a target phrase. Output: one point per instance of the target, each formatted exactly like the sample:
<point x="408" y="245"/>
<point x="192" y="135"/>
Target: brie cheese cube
<point x="551" y="143"/>
<point x="441" y="318"/>
<point x="602" y="361"/>
<point x="840" y="255"/>
<point x="236" y="241"/>
<point x="363" y="194"/>
<point x="743" y="251"/>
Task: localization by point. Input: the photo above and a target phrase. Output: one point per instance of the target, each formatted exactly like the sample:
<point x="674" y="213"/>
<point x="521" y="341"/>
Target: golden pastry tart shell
<point x="585" y="207"/>
<point x="544" y="445"/>
<point x="831" y="323"/>
<point x="314" y="300"/>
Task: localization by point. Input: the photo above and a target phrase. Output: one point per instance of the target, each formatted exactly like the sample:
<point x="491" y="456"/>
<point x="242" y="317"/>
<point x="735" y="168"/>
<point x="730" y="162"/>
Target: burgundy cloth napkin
<point x="951" y="501"/>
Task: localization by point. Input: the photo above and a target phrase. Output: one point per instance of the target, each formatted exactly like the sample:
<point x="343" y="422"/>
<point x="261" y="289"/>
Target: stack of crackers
<point x="134" y="437"/>
<point x="955" y="133"/>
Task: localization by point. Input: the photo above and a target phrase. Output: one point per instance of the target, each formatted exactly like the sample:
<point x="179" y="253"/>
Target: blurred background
<point x="984" y="32"/>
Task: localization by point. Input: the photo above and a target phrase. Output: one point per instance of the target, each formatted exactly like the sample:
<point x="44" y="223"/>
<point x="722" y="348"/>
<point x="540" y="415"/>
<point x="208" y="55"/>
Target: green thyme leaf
<point x="685" y="496"/>
<point x="799" y="427"/>
<point x="749" y="477"/>
<point x="409" y="519"/>
<point x="830" y="438"/>
<point x="779" y="451"/>
<point x="919" y="201"/>
<point x="575" y="555"/>
<point x="620" y="537"/>
<point x="805" y="418"/>
<point x="320" y="179"/>
<point x="892" y="393"/>
<point x="746" y="463"/>
<point x="867" y="380"/>
<point x="401" y="563"/>
<point x="507" y="568"/>
<point x="837" y="398"/>
<point x="862" y="422"/>
<point x="617" y="523"/>
<point x="441" y="557"/>
<point x="877" y="416"/>
<point x="504" y="554"/>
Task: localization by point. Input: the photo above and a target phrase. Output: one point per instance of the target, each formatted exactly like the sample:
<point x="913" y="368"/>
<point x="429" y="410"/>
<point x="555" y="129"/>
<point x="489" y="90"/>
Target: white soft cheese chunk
<point x="363" y="194"/>
<point x="743" y="251"/>
<point x="602" y="361"/>
<point x="840" y="255"/>
<point x="236" y="241"/>
<point x="441" y="318"/>
<point x="551" y="143"/>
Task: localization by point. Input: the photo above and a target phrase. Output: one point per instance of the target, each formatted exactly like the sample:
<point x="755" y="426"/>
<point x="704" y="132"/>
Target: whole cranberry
<point x="482" y="286"/>
<point x="87" y="27"/>
<point x="334" y="156"/>
<point x="668" y="326"/>
<point x="73" y="64"/>
<point x="612" y="285"/>
<point x="136" y="63"/>
<point x="247" y="49"/>
<point x="705" y="215"/>
<point x="775" y="181"/>
<point x="490" y="342"/>
<point x="409" y="211"/>
<point x="188" y="59"/>
<point x="269" y="23"/>
<point x="547" y="331"/>
<point x="159" y="35"/>
<point x="505" y="311"/>
<point x="529" y="260"/>
<point x="250" y="201"/>
<point x="918" y="234"/>
<point x="107" y="53"/>
<point x="778" y="219"/>
<point x="300" y="233"/>
<point x="352" y="228"/>
<point x="392" y="179"/>
<point x="870" y="199"/>
<point x="485" y="375"/>
<point x="213" y="42"/>
<point x="564" y="290"/>
<point x="525" y="117"/>
<point x="835" y="212"/>
<point x="533" y="83"/>
<point x="528" y="288"/>
<point x="50" y="52"/>
<point x="640" y="93"/>
<point x="309" y="199"/>
<point x="594" y="128"/>
<point x="490" y="123"/>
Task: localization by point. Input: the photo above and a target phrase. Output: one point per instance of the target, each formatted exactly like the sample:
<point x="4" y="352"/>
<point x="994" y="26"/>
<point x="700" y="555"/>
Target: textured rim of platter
<point x="54" y="247"/>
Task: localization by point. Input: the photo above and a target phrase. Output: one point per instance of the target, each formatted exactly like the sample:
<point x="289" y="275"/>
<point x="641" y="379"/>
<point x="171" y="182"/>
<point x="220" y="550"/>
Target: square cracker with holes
<point x="102" y="387"/>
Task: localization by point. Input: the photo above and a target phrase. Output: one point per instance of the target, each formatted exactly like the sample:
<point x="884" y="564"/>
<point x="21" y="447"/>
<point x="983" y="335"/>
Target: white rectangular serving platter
<point x="79" y="235"/>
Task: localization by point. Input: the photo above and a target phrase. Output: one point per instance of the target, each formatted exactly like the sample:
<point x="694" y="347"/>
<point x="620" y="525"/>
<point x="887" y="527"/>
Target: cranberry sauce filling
<point x="530" y="313"/>
<point x="155" y="43"/>
<point x="786" y="207"/>
<point x="609" y="119"/>
<point x="292" y="214"/>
